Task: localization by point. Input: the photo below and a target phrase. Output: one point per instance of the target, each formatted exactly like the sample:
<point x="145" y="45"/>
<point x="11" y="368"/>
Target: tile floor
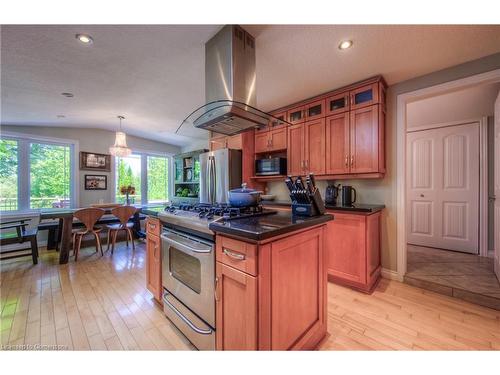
<point x="465" y="276"/>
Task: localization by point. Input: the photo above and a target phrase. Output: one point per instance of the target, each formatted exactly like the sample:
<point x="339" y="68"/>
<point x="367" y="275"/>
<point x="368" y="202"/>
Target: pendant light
<point x="120" y="147"/>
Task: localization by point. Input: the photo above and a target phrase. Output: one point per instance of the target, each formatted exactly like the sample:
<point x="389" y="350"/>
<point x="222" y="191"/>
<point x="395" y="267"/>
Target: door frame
<point x="401" y="130"/>
<point x="483" y="173"/>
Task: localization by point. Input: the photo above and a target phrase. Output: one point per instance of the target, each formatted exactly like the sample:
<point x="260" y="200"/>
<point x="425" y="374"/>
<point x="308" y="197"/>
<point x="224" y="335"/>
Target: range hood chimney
<point x="230" y="85"/>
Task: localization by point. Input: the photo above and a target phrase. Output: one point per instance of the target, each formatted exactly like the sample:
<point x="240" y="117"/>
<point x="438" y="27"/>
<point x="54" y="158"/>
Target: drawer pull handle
<point x="233" y="254"/>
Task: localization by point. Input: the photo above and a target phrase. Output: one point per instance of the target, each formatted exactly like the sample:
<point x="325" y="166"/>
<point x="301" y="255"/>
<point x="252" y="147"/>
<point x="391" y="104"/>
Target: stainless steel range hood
<point x="229" y="85"/>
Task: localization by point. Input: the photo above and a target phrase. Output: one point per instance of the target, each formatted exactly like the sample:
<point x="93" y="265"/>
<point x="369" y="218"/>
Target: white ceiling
<point x="154" y="75"/>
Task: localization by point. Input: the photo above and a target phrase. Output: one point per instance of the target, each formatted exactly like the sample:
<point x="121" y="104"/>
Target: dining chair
<point x="123" y="213"/>
<point x="14" y="232"/>
<point x="89" y="217"/>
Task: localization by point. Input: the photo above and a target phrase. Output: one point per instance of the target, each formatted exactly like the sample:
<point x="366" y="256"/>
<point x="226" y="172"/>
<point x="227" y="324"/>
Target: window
<point x="128" y="173"/>
<point x="147" y="173"/>
<point x="8" y="175"/>
<point x="35" y="174"/>
<point x="50" y="171"/>
<point x="157" y="179"/>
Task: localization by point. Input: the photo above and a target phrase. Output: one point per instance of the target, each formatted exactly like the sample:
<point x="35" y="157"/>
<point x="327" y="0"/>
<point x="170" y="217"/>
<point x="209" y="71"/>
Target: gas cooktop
<point x="199" y="216"/>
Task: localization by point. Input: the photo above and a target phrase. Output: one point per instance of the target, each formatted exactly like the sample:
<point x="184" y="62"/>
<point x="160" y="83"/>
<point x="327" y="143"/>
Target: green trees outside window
<point x="128" y="170"/>
<point x="50" y="171"/>
<point x="157" y="179"/>
<point x="8" y="175"/>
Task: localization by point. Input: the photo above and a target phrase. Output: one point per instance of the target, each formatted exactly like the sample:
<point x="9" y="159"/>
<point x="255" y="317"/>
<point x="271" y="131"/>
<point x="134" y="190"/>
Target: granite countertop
<point x="356" y="207"/>
<point x="258" y="228"/>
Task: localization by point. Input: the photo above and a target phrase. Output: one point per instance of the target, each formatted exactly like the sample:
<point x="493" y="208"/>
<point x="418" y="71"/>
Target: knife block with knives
<point x="306" y="199"/>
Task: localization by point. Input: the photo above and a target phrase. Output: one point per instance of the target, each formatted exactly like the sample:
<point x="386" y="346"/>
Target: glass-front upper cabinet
<point x="274" y="123"/>
<point x="296" y="115"/>
<point x="315" y="109"/>
<point x="337" y="103"/>
<point x="281" y="117"/>
<point x="365" y="96"/>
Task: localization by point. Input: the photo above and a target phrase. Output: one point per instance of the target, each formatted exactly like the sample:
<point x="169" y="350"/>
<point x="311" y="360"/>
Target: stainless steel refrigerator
<point x="220" y="172"/>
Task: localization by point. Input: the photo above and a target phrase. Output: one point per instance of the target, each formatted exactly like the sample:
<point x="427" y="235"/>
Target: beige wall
<point x="384" y="191"/>
<point x="471" y="103"/>
<point x="92" y="140"/>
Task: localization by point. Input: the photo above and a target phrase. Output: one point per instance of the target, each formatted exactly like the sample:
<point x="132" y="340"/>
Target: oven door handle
<point x="184" y="246"/>
<point x="184" y="319"/>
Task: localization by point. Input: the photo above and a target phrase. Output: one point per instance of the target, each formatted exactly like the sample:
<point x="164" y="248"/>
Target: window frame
<point x="144" y="174"/>
<point x="24" y="168"/>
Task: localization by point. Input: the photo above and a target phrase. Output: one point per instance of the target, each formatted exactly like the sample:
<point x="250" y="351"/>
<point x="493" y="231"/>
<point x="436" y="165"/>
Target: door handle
<point x="185" y="319"/>
<point x="216" y="290"/>
<point x="352" y="161"/>
<point x="346" y="161"/>
<point x="421" y="195"/>
<point x="492" y="198"/>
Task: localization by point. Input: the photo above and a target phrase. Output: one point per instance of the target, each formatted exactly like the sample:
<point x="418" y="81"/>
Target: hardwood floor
<point x="101" y="303"/>
<point x="398" y="316"/>
<point x="98" y="303"/>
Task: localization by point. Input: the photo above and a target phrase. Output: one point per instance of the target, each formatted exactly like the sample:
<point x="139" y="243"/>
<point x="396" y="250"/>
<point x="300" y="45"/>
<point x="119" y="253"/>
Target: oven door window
<point x="185" y="268"/>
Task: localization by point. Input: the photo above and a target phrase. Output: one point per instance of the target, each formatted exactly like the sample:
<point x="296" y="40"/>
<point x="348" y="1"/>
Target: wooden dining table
<point x="65" y="216"/>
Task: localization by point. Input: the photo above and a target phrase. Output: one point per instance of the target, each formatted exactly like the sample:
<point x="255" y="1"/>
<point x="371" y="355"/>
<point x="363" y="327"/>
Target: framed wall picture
<point x="96" y="182"/>
<point x="91" y="161"/>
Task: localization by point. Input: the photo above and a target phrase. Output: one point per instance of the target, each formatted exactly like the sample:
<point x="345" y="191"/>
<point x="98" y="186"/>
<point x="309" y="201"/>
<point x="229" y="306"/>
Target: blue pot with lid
<point x="243" y="197"/>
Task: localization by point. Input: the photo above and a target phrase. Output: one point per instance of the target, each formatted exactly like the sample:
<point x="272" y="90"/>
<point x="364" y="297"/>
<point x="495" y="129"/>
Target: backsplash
<point x="366" y="190"/>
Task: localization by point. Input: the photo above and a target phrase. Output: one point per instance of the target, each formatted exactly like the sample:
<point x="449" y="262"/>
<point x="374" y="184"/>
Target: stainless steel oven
<point x="188" y="277"/>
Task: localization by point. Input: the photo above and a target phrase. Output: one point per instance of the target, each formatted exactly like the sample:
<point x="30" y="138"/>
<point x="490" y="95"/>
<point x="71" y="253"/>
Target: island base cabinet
<point x="236" y="309"/>
<point x="353" y="246"/>
<point x="284" y="306"/>
<point x="153" y="259"/>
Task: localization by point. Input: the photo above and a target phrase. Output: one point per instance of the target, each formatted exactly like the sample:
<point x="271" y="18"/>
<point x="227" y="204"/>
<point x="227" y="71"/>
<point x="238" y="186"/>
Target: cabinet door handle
<point x="233" y="255"/>
<point x="216" y="290"/>
<point x="346" y="161"/>
<point x="352" y="160"/>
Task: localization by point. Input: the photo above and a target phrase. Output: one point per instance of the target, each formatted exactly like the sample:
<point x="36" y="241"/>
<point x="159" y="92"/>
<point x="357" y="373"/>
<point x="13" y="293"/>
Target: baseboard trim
<point x="391" y="275"/>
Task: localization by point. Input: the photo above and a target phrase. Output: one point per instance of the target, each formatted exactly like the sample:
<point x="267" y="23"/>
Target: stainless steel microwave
<point x="270" y="167"/>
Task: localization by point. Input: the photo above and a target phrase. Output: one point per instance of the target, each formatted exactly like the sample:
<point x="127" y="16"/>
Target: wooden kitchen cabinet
<point x="153" y="258"/>
<point x="296" y="115"/>
<point x="271" y="140"/>
<point x="306" y="148"/>
<point x="295" y="151"/>
<point x="282" y="307"/>
<point x="353" y="248"/>
<point x="366" y="140"/>
<point x="236" y="309"/>
<point x="364" y="96"/>
<point x="314" y="146"/>
<point x="217" y="143"/>
<point x="350" y="143"/>
<point x="337" y="103"/>
<point x="337" y="144"/>
<point x="315" y="110"/>
<point x="355" y="142"/>
<point x="233" y="142"/>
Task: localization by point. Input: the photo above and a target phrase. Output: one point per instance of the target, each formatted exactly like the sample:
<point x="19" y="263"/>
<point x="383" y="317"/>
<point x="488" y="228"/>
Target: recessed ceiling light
<point x="67" y="94"/>
<point x="84" y="38"/>
<point x="345" y="44"/>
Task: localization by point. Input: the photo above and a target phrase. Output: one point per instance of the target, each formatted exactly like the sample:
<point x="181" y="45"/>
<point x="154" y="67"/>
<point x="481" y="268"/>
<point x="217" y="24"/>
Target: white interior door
<point x="497" y="187"/>
<point x="443" y="188"/>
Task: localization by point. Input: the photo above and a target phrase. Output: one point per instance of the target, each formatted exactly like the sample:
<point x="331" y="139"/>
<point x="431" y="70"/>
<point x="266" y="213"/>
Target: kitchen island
<point x="271" y="281"/>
